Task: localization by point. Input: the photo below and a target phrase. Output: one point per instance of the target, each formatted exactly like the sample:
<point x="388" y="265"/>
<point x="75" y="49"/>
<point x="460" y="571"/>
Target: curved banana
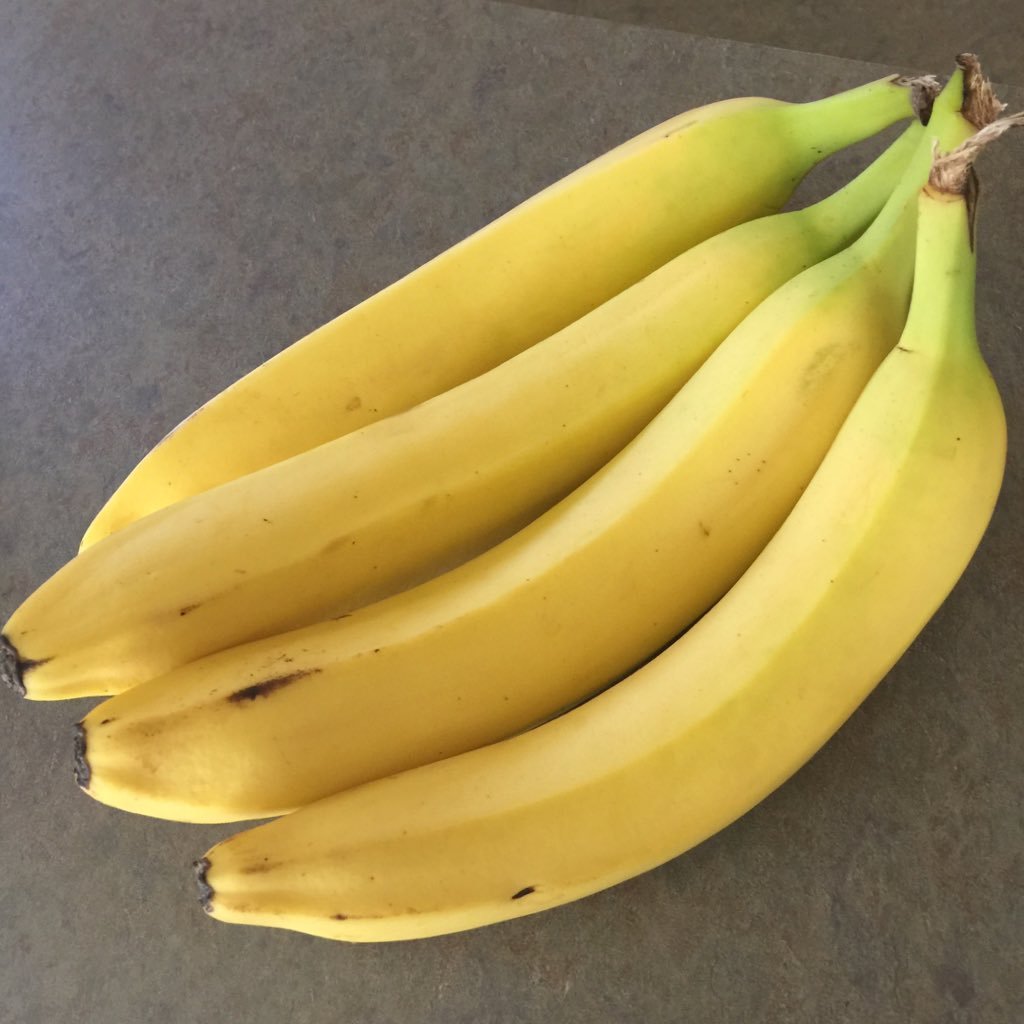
<point x="702" y="733"/>
<point x="538" y="268"/>
<point x="382" y="508"/>
<point x="639" y="551"/>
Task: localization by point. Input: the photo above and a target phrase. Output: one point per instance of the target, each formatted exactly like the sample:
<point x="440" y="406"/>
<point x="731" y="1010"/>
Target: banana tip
<point x="11" y="666"/>
<point x="981" y="105"/>
<point x="200" y="867"/>
<point x="82" y="770"/>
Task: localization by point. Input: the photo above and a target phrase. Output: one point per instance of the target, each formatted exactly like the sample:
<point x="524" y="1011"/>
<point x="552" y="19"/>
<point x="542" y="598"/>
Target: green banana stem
<point x="953" y="172"/>
<point x="942" y="302"/>
<point x="842" y="214"/>
<point x="949" y="127"/>
<point x="967" y="104"/>
<point x="838" y="121"/>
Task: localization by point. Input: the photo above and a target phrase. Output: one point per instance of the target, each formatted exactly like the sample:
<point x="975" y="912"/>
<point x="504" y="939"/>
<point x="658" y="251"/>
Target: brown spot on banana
<point x="679" y="128"/>
<point x="268" y="686"/>
<point x="524" y="892"/>
<point x="333" y="547"/>
<point x="187" y="609"/>
<point x="821" y="366"/>
<point x="258" y="869"/>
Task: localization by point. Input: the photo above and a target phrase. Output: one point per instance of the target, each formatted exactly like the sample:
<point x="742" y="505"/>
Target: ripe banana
<point x="382" y="508"/>
<point x="699" y="735"/>
<point x="641" y="550"/>
<point x="540" y="267"/>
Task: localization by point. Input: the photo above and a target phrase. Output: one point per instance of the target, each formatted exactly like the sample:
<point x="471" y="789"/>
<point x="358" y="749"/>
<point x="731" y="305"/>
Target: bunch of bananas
<point x="556" y="556"/>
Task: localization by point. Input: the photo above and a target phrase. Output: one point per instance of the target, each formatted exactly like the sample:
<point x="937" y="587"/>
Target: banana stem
<point x="950" y="128"/>
<point x="981" y="105"/>
<point x="942" y="300"/>
<point x="966" y="104"/>
<point x="953" y="172"/>
<point x="843" y="211"/>
<point x="838" y="121"/>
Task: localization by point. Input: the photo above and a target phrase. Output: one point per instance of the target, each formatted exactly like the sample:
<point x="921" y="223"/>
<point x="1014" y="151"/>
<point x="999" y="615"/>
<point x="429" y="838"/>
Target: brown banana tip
<point x="83" y="773"/>
<point x="11" y="666"/>
<point x="981" y="105"/>
<point x="923" y="91"/>
<point x="953" y="173"/>
<point x="200" y="867"/>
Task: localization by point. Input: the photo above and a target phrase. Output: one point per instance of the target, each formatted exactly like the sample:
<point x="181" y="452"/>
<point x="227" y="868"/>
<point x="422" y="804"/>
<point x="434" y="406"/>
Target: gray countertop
<point x="876" y="30"/>
<point x="185" y="188"/>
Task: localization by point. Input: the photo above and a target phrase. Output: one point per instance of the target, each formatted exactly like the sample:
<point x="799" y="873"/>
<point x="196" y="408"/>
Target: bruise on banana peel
<point x="13" y="667"/>
<point x="268" y="686"/>
<point x="260" y="868"/>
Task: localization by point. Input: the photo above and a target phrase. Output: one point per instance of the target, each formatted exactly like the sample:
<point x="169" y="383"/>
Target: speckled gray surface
<point x="912" y="32"/>
<point x="184" y="189"/>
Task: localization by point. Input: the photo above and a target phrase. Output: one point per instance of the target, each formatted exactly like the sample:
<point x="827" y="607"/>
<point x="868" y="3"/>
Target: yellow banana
<point x="638" y="552"/>
<point x="540" y="267"/>
<point x="380" y="509"/>
<point x="699" y="735"/>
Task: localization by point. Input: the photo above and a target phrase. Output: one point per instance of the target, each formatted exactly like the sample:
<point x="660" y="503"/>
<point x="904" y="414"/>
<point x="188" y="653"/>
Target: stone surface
<point x="186" y="188"/>
<point x="908" y="35"/>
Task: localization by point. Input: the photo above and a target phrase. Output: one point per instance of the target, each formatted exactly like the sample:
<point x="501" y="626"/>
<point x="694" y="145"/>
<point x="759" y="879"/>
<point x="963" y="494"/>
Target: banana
<point x="702" y="733"/>
<point x="538" y="268"/>
<point x="639" y="551"/>
<point x="380" y="509"/>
